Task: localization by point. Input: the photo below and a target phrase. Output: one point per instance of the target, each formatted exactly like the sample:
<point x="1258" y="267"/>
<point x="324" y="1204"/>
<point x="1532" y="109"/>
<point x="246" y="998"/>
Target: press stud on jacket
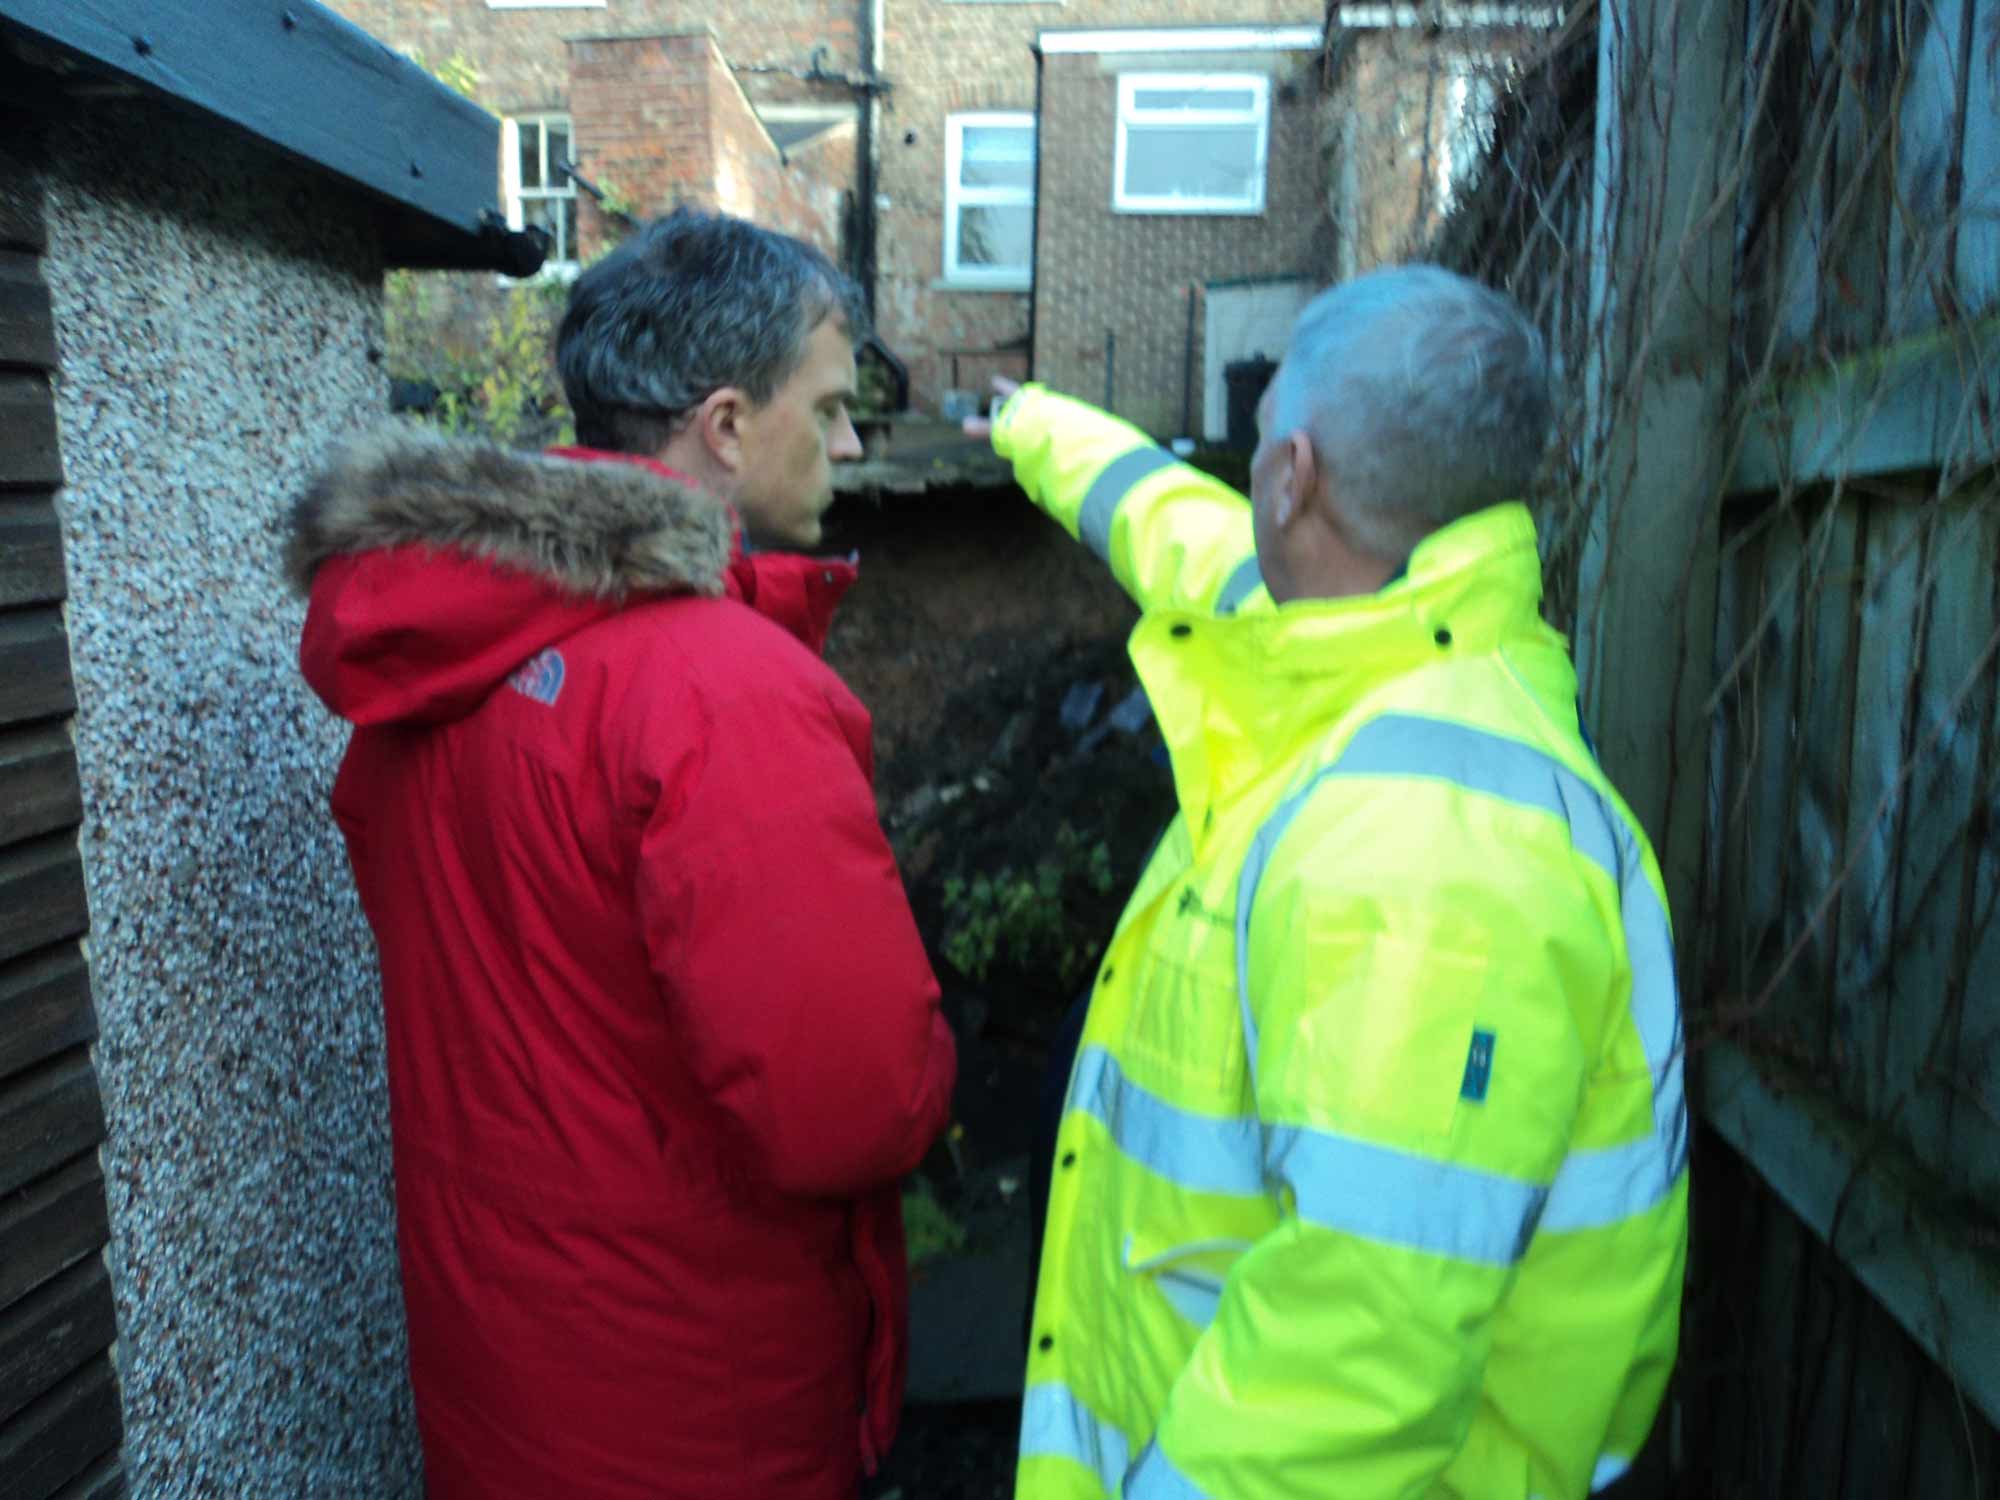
<point x="1371" y="1181"/>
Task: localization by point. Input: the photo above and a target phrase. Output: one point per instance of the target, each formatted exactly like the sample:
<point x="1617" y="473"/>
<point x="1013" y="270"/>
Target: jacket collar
<point x="592" y="524"/>
<point x="1236" y="695"/>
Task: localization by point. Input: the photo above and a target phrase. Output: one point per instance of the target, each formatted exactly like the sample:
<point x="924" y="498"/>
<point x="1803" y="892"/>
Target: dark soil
<point x="975" y="620"/>
<point x="959" y="1452"/>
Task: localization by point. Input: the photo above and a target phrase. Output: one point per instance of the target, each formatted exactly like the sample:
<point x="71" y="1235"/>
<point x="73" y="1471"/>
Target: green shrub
<point x="1020" y="919"/>
<point x="928" y="1229"/>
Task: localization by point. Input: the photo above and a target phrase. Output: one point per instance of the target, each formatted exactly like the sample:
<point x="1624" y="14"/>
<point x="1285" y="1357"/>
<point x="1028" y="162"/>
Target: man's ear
<point x="1298" y="480"/>
<point x="720" y="422"/>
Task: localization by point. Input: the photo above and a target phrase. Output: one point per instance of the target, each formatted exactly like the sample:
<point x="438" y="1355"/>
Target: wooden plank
<point x="317" y="86"/>
<point x="27" y="319"/>
<point x="1889" y="650"/>
<point x="34" y="666"/>
<point x="42" y="898"/>
<point x="1951" y="703"/>
<point x="39" y="789"/>
<point x="31" y="553"/>
<point x="49" y="1225"/>
<point x="1656" y="381"/>
<point x="30" y="456"/>
<point x="46" y="1336"/>
<point x="103" y="1480"/>
<point x="21" y="223"/>
<point x="1910" y="407"/>
<point x="44" y="1007"/>
<point x="1900" y="1230"/>
<point x="47" y="1115"/>
<point x="62" y="1435"/>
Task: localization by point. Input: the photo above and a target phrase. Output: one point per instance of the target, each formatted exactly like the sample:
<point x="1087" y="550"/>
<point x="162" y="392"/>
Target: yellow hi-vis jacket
<point x="1371" y="1180"/>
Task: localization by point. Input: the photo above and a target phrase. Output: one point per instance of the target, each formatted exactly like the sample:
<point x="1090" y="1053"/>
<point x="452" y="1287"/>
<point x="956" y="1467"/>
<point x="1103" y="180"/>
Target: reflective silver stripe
<point x="1594" y="1187"/>
<point x="1240" y="585"/>
<point x="1610" y="1469"/>
<point x="1154" y="1477"/>
<point x="1205" y="1153"/>
<point x="1100" y="504"/>
<point x="1395" y="1198"/>
<point x="1055" y="1424"/>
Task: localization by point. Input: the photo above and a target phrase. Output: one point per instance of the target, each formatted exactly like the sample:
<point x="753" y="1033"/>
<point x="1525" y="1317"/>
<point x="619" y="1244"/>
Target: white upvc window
<point x="989" y="201"/>
<point x="538" y="188"/>
<point x="1191" y="143"/>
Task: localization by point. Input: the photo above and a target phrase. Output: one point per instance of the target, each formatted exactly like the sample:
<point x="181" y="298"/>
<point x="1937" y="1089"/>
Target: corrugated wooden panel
<point x="1926" y="146"/>
<point x="56" y="1330"/>
<point x="42" y="899"/>
<point x="1889" y="662"/>
<point x="1978" y="265"/>
<point x="39" y="789"/>
<point x="47" y="1115"/>
<point x="51" y="1224"/>
<point x="31" y="558"/>
<point x="1823" y="716"/>
<point x="34" y="666"/>
<point x="1758" y="643"/>
<point x="1952" y="703"/>
<point x="27" y="320"/>
<point x="29" y="455"/>
<point x="62" y="1435"/>
<point x="44" y="1007"/>
<point x="22" y="226"/>
<point x="103" y="1480"/>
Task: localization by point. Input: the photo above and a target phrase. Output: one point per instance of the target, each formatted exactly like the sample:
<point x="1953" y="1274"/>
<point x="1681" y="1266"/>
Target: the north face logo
<point x="541" y="679"/>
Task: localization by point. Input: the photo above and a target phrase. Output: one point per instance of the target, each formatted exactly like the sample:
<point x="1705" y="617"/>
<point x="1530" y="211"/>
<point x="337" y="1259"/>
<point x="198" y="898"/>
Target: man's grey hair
<point x="1426" y="396"/>
<point x="690" y="303"/>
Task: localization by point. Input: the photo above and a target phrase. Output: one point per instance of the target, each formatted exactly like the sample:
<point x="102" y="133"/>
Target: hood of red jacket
<point x="436" y="569"/>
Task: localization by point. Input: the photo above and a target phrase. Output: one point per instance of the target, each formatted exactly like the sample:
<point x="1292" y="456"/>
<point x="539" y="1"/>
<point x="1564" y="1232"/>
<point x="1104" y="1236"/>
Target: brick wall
<point x="950" y="56"/>
<point x="663" y="120"/>
<point x="522" y="59"/>
<point x="1131" y="275"/>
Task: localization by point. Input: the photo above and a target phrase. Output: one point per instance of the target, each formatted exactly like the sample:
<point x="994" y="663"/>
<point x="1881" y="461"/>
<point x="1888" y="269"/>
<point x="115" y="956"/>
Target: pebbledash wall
<point x="218" y="313"/>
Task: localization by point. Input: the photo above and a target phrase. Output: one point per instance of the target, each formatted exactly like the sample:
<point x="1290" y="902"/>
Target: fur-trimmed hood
<point x="601" y="530"/>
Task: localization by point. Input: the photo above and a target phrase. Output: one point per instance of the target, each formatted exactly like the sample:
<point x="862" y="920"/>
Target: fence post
<point x="1657" y="385"/>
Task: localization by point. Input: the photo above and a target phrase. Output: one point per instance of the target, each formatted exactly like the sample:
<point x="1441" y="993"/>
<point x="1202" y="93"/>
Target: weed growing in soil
<point x="1019" y="919"/>
<point x="929" y="1230"/>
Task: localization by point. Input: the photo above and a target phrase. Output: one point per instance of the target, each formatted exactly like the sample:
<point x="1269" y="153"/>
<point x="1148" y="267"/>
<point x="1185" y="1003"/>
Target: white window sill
<point x="1191" y="208"/>
<point x="955" y="284"/>
<point x="562" y="271"/>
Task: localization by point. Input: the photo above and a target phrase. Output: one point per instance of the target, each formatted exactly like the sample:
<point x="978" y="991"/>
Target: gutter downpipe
<point x="870" y="38"/>
<point x="1035" y="217"/>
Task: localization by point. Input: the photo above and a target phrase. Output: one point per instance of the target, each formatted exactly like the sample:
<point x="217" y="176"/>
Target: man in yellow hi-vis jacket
<point x="1371" y="1178"/>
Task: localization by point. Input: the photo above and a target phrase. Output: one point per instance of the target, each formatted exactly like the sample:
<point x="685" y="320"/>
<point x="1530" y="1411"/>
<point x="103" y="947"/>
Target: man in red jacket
<point x="661" y="1033"/>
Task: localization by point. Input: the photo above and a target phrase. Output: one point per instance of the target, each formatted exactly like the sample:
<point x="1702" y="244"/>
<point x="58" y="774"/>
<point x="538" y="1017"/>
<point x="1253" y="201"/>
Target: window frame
<point x="958" y="197"/>
<point x="1129" y="114"/>
<point x="515" y="195"/>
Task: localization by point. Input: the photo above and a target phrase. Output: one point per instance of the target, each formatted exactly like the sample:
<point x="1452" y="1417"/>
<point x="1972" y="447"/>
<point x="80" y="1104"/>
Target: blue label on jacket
<point x="1478" y="1068"/>
<point x="541" y="679"/>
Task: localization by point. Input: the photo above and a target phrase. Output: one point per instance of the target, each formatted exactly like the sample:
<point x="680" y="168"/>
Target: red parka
<point x="661" y="1032"/>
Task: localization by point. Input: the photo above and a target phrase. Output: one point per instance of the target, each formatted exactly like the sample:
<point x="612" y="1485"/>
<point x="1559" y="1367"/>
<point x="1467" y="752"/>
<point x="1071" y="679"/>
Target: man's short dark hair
<point x="690" y="303"/>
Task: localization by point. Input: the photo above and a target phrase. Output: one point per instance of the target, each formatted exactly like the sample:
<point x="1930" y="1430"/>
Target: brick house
<point x="901" y="136"/>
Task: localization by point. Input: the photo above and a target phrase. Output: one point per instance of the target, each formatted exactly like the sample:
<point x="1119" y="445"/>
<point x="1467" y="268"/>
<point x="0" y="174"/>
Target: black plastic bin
<point x="1244" y="380"/>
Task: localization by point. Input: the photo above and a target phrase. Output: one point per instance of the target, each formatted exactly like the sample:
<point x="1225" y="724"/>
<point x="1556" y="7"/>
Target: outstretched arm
<point x="1174" y="537"/>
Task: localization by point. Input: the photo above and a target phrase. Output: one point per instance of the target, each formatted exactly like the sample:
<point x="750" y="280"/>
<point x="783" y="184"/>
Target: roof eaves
<point x="302" y="79"/>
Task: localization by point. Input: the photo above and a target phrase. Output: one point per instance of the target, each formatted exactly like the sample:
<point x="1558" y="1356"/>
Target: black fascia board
<point x="293" y="74"/>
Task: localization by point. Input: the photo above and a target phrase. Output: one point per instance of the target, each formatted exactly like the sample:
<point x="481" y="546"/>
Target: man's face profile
<point x="792" y="441"/>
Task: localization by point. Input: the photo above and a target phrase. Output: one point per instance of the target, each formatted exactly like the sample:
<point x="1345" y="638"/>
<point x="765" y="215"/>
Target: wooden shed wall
<point x="60" y="1423"/>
